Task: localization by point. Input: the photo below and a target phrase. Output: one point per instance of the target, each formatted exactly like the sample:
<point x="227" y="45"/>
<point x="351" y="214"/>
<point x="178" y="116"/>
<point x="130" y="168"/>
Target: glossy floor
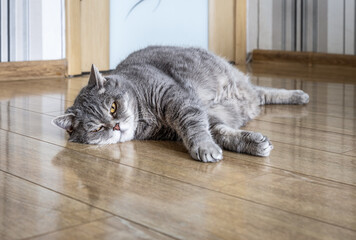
<point x="306" y="189"/>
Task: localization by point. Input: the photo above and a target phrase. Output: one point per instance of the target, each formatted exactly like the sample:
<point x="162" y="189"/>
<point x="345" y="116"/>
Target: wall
<point x="156" y="22"/>
<point x="327" y="26"/>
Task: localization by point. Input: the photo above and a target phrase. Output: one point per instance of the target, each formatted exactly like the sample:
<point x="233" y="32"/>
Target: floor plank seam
<point x="316" y="149"/>
<point x="298" y="173"/>
<point x="65" y="228"/>
<point x="312" y="113"/>
<point x="227" y="194"/>
<point x="325" y="131"/>
<point x="251" y="162"/>
<point x="344" y="153"/>
<point x="90" y="205"/>
<point x="31" y="111"/>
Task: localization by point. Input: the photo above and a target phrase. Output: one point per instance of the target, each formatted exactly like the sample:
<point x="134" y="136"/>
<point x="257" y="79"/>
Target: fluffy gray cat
<point x="173" y="93"/>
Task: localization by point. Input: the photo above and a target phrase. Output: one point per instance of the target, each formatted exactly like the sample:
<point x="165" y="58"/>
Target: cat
<point x="174" y="93"/>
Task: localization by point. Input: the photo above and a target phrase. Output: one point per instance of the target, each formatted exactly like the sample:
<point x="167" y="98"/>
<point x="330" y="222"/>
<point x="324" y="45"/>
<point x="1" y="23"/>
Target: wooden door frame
<point x="240" y="32"/>
<point x="87" y="35"/>
<point x="73" y="37"/>
<point x="227" y="29"/>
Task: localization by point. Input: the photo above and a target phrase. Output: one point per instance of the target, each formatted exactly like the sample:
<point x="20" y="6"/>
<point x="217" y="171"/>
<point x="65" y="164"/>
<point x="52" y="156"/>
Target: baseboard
<point x="10" y="71"/>
<point x="309" y="58"/>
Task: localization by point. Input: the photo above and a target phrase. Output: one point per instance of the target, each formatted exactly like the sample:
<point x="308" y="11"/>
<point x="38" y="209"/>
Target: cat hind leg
<point x="281" y="96"/>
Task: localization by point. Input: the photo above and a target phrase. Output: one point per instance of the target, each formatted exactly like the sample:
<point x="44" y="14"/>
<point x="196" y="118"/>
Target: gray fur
<point x="174" y="93"/>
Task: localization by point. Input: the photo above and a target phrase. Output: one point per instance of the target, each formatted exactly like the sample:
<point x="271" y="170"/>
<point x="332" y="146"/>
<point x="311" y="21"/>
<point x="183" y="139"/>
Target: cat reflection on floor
<point x="174" y="93"/>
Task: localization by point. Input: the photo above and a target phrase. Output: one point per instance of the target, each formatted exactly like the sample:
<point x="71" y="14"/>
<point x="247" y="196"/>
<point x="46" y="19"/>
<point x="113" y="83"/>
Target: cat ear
<point x="64" y="121"/>
<point x="95" y="78"/>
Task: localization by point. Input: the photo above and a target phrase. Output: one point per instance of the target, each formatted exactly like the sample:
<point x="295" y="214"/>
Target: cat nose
<point x="117" y="127"/>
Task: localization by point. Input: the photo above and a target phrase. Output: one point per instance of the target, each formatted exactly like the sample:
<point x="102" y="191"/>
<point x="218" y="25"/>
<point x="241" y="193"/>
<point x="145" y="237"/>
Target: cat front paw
<point x="206" y="152"/>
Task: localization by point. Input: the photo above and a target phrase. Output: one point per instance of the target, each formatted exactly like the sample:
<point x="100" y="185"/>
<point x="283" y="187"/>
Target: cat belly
<point x="234" y="113"/>
<point x="233" y="101"/>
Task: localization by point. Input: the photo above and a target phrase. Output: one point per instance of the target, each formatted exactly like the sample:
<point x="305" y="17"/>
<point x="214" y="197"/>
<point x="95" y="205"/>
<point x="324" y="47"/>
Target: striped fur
<point x="174" y="93"/>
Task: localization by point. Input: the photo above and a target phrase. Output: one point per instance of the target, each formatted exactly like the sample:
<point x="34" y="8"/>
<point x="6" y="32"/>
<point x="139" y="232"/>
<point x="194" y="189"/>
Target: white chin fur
<point x="114" y="139"/>
<point x="128" y="128"/>
<point x="126" y="133"/>
<point x="118" y="136"/>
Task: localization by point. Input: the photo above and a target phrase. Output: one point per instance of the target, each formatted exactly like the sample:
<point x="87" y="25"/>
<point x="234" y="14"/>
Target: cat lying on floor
<point x="173" y="93"/>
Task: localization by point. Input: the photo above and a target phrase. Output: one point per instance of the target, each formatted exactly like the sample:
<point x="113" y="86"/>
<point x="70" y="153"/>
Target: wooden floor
<point x="306" y="189"/>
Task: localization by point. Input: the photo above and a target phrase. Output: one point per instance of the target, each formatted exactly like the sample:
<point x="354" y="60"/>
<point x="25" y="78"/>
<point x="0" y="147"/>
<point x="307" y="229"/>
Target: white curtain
<point x="32" y="30"/>
<point x="327" y="26"/>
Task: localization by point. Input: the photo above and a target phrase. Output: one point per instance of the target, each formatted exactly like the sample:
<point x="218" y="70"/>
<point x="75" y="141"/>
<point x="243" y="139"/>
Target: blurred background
<point x="104" y="32"/>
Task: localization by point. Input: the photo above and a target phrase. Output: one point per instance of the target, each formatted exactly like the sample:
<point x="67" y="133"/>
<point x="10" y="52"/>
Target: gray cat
<point x="173" y="93"/>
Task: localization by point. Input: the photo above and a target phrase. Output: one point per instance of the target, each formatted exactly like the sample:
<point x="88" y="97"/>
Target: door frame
<point x="227" y="29"/>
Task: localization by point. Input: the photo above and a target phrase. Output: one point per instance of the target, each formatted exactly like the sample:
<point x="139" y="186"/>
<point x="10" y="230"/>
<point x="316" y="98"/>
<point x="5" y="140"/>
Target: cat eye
<point x="113" y="108"/>
<point x="98" y="129"/>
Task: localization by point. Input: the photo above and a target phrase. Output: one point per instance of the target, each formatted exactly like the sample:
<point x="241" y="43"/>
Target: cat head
<point x="102" y="113"/>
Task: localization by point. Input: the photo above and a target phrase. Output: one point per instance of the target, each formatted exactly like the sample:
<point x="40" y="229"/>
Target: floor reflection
<point x="88" y="172"/>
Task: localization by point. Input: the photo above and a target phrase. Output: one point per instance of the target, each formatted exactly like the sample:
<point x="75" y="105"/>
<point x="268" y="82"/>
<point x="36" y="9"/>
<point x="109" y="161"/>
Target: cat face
<point x="102" y="113"/>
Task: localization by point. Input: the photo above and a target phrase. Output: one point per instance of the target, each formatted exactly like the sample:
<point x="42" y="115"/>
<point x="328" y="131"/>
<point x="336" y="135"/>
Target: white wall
<point x="172" y="22"/>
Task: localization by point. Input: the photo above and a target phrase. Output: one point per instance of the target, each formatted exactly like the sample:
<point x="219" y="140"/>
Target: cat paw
<point x="258" y="145"/>
<point x="299" y="97"/>
<point x="207" y="152"/>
